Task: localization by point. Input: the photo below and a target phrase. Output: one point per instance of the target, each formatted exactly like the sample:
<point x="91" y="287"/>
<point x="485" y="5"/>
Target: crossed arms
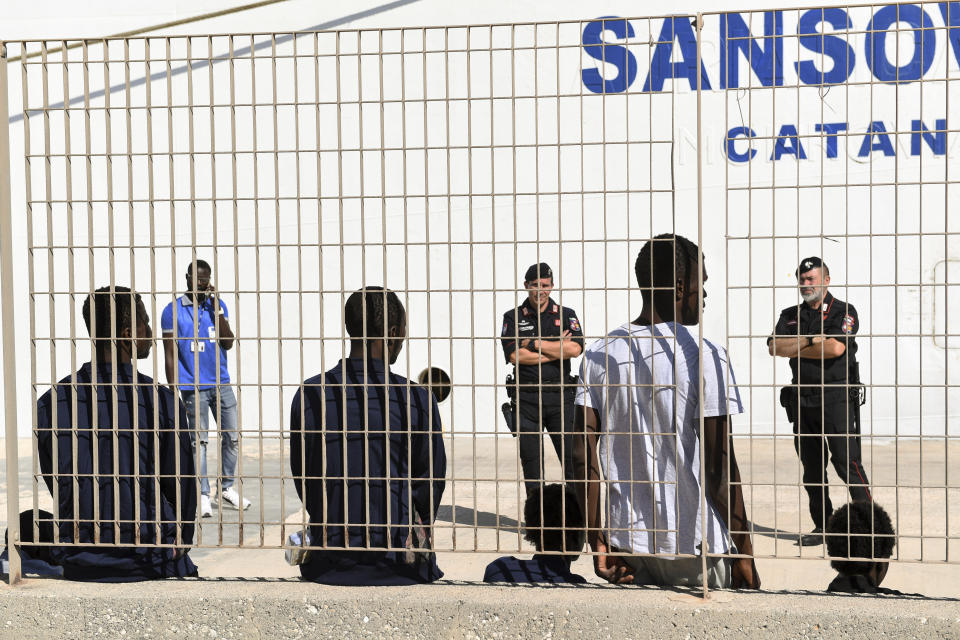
<point x="816" y="348"/>
<point x="534" y="351"/>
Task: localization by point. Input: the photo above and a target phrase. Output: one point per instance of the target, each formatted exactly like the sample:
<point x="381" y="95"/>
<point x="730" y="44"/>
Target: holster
<point x="509" y="409"/>
<point x="790" y="401"/>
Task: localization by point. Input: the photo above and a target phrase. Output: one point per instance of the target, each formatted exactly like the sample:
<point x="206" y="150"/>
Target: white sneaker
<point x="205" y="510"/>
<point x="230" y="497"/>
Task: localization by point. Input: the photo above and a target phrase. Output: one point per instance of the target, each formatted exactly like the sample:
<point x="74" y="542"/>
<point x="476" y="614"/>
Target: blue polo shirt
<point x="205" y="343"/>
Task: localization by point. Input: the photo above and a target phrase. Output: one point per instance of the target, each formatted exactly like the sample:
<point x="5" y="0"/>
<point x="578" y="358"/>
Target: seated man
<point x="367" y="457"/>
<point x="150" y="496"/>
<point x="560" y="529"/>
<point x="860" y="530"/>
<point x="639" y="408"/>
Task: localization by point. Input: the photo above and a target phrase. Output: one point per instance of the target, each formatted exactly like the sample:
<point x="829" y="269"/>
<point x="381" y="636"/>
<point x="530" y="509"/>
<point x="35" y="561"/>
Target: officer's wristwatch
<point x="809" y="341"/>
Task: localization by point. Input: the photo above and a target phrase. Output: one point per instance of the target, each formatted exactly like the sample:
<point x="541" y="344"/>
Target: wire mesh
<point x="440" y="162"/>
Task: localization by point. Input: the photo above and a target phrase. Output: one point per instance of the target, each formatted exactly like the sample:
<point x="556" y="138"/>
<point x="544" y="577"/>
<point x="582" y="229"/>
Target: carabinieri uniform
<point x="822" y="402"/>
<point x="545" y="391"/>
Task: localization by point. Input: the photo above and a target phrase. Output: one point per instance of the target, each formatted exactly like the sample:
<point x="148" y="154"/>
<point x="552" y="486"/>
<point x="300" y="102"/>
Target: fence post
<point x="704" y="541"/>
<point x="9" y="349"/>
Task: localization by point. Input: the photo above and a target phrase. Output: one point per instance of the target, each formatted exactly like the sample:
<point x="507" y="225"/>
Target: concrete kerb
<point x="291" y="609"/>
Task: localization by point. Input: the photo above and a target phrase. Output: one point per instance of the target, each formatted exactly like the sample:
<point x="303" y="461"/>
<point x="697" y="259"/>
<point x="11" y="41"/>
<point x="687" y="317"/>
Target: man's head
<point x="666" y="269"/>
<point x="860" y="530"/>
<point x="43" y="539"/>
<point x="813" y="276"/>
<point x="113" y="310"/>
<point x="198" y="286"/>
<point x="376" y="316"/>
<point x="562" y="526"/>
<point x="538" y="281"/>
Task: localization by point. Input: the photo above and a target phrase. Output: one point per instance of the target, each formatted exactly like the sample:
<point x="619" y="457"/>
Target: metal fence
<point x="441" y="162"/>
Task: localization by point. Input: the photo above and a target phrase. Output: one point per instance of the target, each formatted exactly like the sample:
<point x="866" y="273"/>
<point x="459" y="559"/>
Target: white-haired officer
<point x="822" y="401"/>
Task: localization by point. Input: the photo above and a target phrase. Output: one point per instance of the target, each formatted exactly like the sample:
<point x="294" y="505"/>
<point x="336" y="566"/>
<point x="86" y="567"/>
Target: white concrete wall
<point x="836" y="222"/>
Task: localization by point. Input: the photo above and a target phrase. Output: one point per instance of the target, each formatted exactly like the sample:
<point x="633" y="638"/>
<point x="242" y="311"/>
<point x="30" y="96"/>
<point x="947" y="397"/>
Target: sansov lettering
<point x="819" y="31"/>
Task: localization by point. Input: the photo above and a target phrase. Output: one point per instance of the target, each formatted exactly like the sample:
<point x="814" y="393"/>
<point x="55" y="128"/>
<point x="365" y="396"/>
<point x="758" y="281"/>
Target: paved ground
<point x="291" y="609"/>
<point x="483" y="524"/>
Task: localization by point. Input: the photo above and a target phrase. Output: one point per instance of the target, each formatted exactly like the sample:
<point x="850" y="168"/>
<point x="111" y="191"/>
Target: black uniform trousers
<point x="548" y="412"/>
<point x="836" y="432"/>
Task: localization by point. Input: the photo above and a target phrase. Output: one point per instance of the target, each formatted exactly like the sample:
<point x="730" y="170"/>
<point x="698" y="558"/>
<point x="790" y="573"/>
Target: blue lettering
<point x="681" y="31"/>
<point x="732" y="136"/>
<point x="924" y="40"/>
<point x="831" y="129"/>
<point x="951" y="18"/>
<point x="617" y="55"/>
<point x="788" y="143"/>
<point x="878" y="131"/>
<point x="936" y="141"/>
<point x="833" y="47"/>
<point x="767" y="62"/>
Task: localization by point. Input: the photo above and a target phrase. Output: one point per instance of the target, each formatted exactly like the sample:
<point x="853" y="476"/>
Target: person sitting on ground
<point x="860" y="530"/>
<point x="150" y="497"/>
<point x="559" y="529"/>
<point x="366" y="451"/>
<point x="34" y="557"/>
<point x="637" y="435"/>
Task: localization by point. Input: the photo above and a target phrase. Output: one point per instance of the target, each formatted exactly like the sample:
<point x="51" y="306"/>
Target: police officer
<point x="823" y="400"/>
<point x="539" y="337"/>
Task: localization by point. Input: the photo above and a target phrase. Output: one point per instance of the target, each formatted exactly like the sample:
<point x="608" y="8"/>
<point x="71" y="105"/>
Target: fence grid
<point x="294" y="169"/>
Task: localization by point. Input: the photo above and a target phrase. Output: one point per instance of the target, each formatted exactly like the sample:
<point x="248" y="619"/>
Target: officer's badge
<point x="847" y="324"/>
<point x="574" y="324"/>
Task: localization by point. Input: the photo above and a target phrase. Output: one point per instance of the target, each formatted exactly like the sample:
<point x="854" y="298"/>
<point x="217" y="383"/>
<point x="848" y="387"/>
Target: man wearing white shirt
<point x="639" y="416"/>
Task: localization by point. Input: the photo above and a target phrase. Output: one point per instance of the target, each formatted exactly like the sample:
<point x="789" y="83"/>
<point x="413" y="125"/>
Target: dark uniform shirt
<point x="526" y="322"/>
<point x="385" y="465"/>
<point x="834" y="319"/>
<point x="163" y="499"/>
<point x="541" y="568"/>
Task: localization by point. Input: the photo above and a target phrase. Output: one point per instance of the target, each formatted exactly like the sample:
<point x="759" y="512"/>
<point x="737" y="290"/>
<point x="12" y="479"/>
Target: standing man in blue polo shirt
<point x="197" y="362"/>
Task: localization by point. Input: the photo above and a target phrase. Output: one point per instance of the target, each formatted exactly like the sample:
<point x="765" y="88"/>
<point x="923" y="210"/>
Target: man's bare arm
<point x="723" y="485"/>
<point x="586" y="480"/>
<point x="225" y="332"/>
<point x="586" y="469"/>
<point x="562" y="349"/>
<point x="796" y="347"/>
<point x="170" y="357"/>
<point x="525" y="356"/>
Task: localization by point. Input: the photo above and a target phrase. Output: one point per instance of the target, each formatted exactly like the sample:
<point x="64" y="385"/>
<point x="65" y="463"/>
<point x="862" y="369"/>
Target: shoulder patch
<point x="504" y="330"/>
<point x="848" y="322"/>
<point x="574" y="324"/>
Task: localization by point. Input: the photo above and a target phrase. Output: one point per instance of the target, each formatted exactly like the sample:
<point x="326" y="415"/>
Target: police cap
<point x="537" y="271"/>
<point x="809" y="263"/>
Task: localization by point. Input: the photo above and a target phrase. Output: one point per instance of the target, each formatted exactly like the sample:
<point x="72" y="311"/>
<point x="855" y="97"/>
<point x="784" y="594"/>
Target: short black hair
<point x="201" y="264"/>
<point x="383" y="311"/>
<point x="40" y="550"/>
<point x="562" y="526"/>
<point x="662" y="261"/>
<point x="859" y="530"/>
<point x="124" y="303"/>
